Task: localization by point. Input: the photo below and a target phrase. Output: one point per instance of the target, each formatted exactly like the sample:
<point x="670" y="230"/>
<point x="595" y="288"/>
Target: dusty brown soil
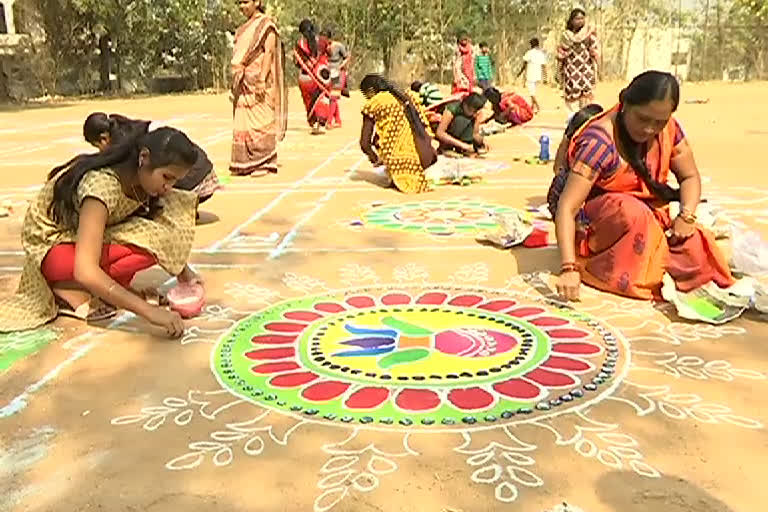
<point x="119" y="419"/>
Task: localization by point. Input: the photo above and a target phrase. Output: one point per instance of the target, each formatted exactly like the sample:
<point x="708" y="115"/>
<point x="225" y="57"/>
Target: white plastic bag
<point x="513" y="229"/>
<point x="750" y="253"/>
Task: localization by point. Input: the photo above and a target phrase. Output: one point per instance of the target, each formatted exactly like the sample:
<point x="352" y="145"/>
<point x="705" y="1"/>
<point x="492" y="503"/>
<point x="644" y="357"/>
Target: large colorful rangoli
<point x="419" y="358"/>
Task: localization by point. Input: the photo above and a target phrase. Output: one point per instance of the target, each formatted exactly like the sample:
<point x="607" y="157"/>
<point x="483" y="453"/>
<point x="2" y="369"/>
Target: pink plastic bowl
<point x="187" y="299"/>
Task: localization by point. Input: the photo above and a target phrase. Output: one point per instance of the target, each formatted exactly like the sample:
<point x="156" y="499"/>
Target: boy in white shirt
<point x="534" y="63"/>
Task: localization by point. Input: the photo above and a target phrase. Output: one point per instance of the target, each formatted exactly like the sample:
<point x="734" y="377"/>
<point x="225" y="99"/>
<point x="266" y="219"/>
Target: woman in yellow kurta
<point x="99" y="220"/>
<point x="399" y="122"/>
<point x="259" y="93"/>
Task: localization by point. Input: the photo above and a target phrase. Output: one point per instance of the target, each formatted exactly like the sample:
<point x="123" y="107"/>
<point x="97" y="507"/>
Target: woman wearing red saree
<point x="259" y="96"/>
<point x="463" y="66"/>
<point x="619" y="163"/>
<point x="314" y="75"/>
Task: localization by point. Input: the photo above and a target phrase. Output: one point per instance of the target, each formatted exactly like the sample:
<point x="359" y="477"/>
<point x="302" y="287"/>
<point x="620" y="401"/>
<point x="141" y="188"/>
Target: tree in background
<point x="83" y="42"/>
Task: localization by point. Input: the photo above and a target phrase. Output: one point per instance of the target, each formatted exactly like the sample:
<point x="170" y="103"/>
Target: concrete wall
<point x="658" y="49"/>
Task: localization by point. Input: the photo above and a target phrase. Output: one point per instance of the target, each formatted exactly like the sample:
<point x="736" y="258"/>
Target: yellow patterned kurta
<point x="396" y="146"/>
<point x="168" y="237"/>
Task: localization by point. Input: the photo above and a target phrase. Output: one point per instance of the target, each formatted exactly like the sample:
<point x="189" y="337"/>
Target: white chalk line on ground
<point x="20" y="402"/>
<point x="260" y="213"/>
<point x="293" y="233"/>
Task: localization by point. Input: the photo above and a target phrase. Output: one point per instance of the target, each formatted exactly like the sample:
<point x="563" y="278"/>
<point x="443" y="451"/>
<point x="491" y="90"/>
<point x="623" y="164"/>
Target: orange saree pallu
<point x="314" y="82"/>
<point x="260" y="117"/>
<point x="624" y="249"/>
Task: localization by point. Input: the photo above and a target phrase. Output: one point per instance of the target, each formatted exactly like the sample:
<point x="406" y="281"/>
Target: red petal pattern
<point x="550" y="379"/>
<point x="324" y="391"/>
<point x="568" y="333"/>
<point x="361" y="301"/>
<point x="498" y="305"/>
<point x="525" y="312"/>
<point x="470" y="399"/>
<point x="518" y="389"/>
<point x="549" y="321"/>
<point x="417" y="399"/>
<point x="466" y="300"/>
<point x="274" y="339"/>
<point x="292" y="380"/>
<point x="329" y="307"/>
<point x="285" y="327"/>
<point x="566" y="363"/>
<point x="302" y="316"/>
<point x="271" y="353"/>
<point x="576" y="348"/>
<point x="367" y="398"/>
<point x="285" y="366"/>
<point x="396" y="299"/>
<point x="432" y="298"/>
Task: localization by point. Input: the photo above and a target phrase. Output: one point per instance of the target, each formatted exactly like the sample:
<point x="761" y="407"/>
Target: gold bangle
<point x="689" y="218"/>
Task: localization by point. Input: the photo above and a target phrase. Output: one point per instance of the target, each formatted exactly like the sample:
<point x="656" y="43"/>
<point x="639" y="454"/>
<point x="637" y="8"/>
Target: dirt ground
<point x="273" y="402"/>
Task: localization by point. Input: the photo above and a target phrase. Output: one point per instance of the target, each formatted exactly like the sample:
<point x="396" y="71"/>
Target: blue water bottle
<point x="544" y="148"/>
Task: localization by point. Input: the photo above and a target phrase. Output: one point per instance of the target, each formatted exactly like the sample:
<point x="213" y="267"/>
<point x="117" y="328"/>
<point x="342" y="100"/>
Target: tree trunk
<point x="105" y="63"/>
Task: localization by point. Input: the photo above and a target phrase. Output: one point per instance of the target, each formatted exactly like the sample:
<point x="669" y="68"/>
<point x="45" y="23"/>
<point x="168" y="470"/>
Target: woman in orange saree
<point x="311" y="54"/>
<point x="259" y="95"/>
<point x="619" y="163"/>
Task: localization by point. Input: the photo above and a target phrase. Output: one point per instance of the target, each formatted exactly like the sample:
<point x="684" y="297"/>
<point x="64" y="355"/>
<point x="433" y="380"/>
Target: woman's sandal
<point x="94" y="310"/>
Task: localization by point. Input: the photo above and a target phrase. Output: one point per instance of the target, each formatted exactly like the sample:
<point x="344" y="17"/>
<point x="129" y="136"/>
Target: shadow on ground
<point x="625" y="491"/>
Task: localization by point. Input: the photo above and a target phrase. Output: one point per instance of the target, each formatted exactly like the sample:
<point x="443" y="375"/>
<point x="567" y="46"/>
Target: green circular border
<point x="445" y="417"/>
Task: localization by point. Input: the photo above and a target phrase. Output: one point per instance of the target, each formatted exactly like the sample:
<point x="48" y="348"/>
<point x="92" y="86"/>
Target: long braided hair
<point x="374" y="83"/>
<point x="377" y="83"/>
<point x="644" y="88"/>
<point x="307" y="29"/>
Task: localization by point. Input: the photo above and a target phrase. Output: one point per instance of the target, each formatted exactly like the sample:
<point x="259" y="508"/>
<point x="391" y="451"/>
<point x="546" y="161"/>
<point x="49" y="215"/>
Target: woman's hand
<point x="568" y="284"/>
<point x="170" y="321"/>
<point x="681" y="230"/>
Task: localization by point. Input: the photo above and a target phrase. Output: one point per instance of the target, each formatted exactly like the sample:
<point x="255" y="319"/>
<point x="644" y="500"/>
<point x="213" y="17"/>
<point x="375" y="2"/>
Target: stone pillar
<point x="8" y="8"/>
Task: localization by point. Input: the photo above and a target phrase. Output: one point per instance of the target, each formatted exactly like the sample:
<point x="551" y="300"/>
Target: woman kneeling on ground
<point x="619" y="164"/>
<point x="99" y="220"/>
<point x="398" y="121"/>
<point x="102" y="131"/>
<point x="459" y="128"/>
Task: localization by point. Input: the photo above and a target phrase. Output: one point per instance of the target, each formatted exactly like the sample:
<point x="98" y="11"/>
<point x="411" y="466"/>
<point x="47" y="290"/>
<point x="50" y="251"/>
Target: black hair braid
<point x="63" y="208"/>
<point x="637" y="162"/>
<point x="307" y="29"/>
<point x="411" y="112"/>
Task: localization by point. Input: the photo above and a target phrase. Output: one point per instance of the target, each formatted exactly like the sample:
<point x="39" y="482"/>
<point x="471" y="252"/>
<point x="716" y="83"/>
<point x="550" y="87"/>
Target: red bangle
<point x="569" y="267"/>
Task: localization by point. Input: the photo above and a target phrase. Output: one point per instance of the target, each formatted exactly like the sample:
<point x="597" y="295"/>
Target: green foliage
<point x="187" y="38"/>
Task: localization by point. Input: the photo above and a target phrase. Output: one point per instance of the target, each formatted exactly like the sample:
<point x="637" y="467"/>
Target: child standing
<point x="534" y="61"/>
<point x="338" y="63"/>
<point x="484" y="67"/>
<point x="464" y="79"/>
